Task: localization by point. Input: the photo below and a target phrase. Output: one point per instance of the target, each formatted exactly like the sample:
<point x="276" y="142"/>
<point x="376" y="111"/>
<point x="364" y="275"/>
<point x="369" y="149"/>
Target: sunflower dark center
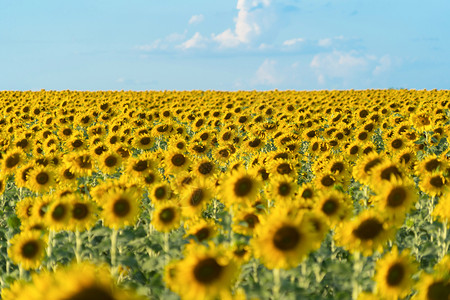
<point x="202" y="234"/>
<point x="286" y="238"/>
<point x="396" y="197"/>
<point x="80" y="211"/>
<point x="12" y="160"/>
<point x="25" y="173"/>
<point x="437" y="181"/>
<point x="59" y="212"/>
<point x="243" y="186"/>
<point x="307" y="193"/>
<point x="284" y="189"/>
<point x="337" y="167"/>
<point x="255" y="143"/>
<point x="197" y="197"/>
<point x="224" y="153"/>
<point x="362" y="136"/>
<point x="330" y="206"/>
<point x="110" y="161"/>
<point x="67" y="131"/>
<point x="395" y="274"/>
<point x="205" y="168"/>
<point x="438" y="290"/>
<point x="199" y="148"/>
<point x="368" y="229"/>
<point x="371" y="164"/>
<point x="140" y="166"/>
<point x="84" y="162"/>
<point x="397" y="143"/>
<point x="77" y="143"/>
<point x="432" y="165"/>
<point x="387" y="173"/>
<point x="160" y="192"/>
<point x="91" y="293"/>
<point x="178" y="160"/>
<point x="354" y="150"/>
<point x="251" y="220"/>
<point x="327" y="180"/>
<point x="121" y="207"/>
<point x="30" y="249"/>
<point x="68" y="175"/>
<point x="405" y="158"/>
<point x="284" y="168"/>
<point x="145" y="141"/>
<point x="167" y="215"/>
<point x="180" y="145"/>
<point x="42" y="178"/>
<point x="207" y="271"/>
<point x="240" y="252"/>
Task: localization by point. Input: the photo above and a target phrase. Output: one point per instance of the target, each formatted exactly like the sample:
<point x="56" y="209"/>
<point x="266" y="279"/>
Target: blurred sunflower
<point x="121" y="207"/>
<point x="334" y="205"/>
<point x="58" y="214"/>
<point x="175" y="161"/>
<point x="166" y="216"/>
<point x="84" y="213"/>
<point x="109" y="162"/>
<point x="394" y="274"/>
<point x="282" y="240"/>
<point x="366" y="233"/>
<point x="41" y="179"/>
<point x="209" y="271"/>
<point x="433" y="184"/>
<point x="245" y="221"/>
<point x="201" y="229"/>
<point x="27" y="249"/>
<point x="160" y="192"/>
<point x="362" y="171"/>
<point x="282" y="188"/>
<point x="433" y="287"/>
<point x="241" y="186"/>
<point x="12" y="159"/>
<point x="196" y="197"/>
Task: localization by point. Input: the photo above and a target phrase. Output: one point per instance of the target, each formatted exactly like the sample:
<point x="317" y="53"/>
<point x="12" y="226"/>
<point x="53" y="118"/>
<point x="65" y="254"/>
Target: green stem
<point x="255" y="271"/>
<point x="78" y="246"/>
<point x="51" y="234"/>
<point x="166" y="248"/>
<point x="357" y="268"/>
<point x="276" y="284"/>
<point x="21" y="271"/>
<point x="445" y="242"/>
<point x="114" y="233"/>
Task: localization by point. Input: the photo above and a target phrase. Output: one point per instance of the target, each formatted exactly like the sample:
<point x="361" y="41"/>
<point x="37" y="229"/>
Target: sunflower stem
<point x="114" y="233"/>
<point x="166" y="248"/>
<point x="276" y="284"/>
<point x="51" y="233"/>
<point x="445" y="243"/>
<point x="78" y="246"/>
<point x="20" y="272"/>
<point x="357" y="268"/>
<point x="255" y="271"/>
<point x="430" y="208"/>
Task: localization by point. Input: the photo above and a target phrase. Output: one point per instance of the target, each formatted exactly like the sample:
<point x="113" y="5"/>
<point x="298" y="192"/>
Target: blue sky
<point x="224" y="45"/>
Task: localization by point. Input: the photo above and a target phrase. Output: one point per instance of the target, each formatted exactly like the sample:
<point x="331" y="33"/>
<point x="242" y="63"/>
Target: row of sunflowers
<point x="225" y="195"/>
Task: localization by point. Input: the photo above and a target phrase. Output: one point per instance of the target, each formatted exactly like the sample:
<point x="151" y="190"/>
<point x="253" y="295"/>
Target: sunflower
<point x="245" y="221"/>
<point x="430" y="164"/>
<point x="40" y="207"/>
<point x="27" y="249"/>
<point x="143" y="142"/>
<point x="205" y="168"/>
<point x="396" y="198"/>
<point x="282" y="167"/>
<point x="406" y="158"/>
<point x="196" y="197"/>
<point x="109" y="162"/>
<point x="166" y="216"/>
<point x="160" y="192"/>
<point x="21" y="173"/>
<point x="84" y="213"/>
<point x="12" y="159"/>
<point x="136" y="166"/>
<point x="320" y="227"/>
<point x="175" y="161"/>
<point x="201" y="229"/>
<point x="433" y="184"/>
<point x="394" y="274"/>
<point x="326" y="181"/>
<point x="241" y="253"/>
<point x="3" y="182"/>
<point x="307" y="195"/>
<point x="80" y="163"/>
<point x="363" y="169"/>
<point x="210" y="272"/>
<point x="41" y="179"/>
<point x="282" y="188"/>
<point x="65" y="176"/>
<point x="121" y="207"/>
<point x="58" y="214"/>
<point x="334" y="205"/>
<point x="24" y="208"/>
<point x="433" y="287"/>
<point x="366" y="233"/>
<point x="241" y="186"/>
<point x="283" y="240"/>
<point x="384" y="173"/>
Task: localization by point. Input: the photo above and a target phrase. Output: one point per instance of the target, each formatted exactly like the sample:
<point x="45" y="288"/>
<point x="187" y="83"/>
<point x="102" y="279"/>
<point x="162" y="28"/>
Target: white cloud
<point x="292" y="42"/>
<point x="197" y="41"/>
<point x="343" y="65"/>
<point x="325" y="42"/>
<point x="247" y="24"/>
<point x="195" y="19"/>
<point x="163" y="44"/>
<point x="267" y="74"/>
<point x="383" y="66"/>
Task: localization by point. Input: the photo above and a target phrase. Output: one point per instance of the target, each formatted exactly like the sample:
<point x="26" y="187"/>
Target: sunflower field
<point x="225" y="195"/>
